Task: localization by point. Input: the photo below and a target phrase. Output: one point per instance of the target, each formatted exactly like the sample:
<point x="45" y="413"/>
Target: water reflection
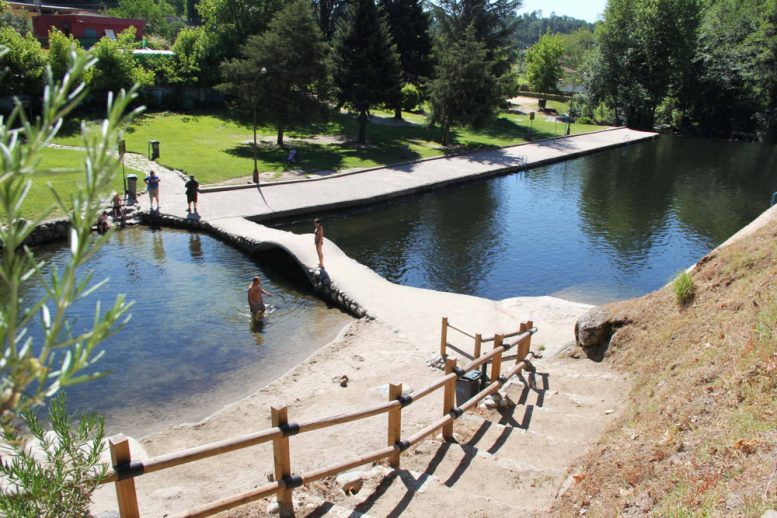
<point x="189" y="347"/>
<point x="611" y="225"/>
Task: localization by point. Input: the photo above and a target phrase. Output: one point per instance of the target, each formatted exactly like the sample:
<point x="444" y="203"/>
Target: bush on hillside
<point x="684" y="290"/>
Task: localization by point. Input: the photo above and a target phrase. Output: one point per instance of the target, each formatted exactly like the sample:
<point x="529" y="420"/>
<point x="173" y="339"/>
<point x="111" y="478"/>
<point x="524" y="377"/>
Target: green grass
<point x="216" y="146"/>
<point x="684" y="289"/>
<point x="61" y="168"/>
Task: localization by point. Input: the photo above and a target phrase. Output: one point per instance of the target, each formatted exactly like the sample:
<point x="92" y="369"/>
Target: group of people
<point x="256" y="292"/>
<point x="192" y="187"/>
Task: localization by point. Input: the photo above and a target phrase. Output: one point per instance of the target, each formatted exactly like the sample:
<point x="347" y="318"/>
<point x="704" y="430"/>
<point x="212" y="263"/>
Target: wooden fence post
<point x="394" y="423"/>
<point x="125" y="489"/>
<point x="478" y="340"/>
<point x="444" y="337"/>
<point x="449" y="397"/>
<point x="282" y="458"/>
<point x="496" y="362"/>
<point x="525" y="346"/>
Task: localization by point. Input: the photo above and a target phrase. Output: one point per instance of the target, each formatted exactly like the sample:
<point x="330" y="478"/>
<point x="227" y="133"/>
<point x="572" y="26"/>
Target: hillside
<point x="699" y="433"/>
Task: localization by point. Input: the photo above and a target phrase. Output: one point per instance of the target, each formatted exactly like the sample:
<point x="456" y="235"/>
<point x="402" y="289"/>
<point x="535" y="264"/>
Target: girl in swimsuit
<point x="318" y="239"/>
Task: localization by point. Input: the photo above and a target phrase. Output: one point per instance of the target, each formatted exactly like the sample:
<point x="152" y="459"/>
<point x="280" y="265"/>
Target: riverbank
<point x="699" y="431"/>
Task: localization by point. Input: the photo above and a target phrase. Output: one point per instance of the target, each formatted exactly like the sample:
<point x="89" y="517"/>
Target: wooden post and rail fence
<point x="125" y="470"/>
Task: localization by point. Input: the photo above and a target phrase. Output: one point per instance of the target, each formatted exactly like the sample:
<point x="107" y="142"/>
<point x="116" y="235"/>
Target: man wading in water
<point x="255" y="299"/>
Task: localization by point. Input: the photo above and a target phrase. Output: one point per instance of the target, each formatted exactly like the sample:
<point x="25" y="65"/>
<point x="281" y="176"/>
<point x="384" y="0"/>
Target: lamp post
<point x="255" y="175"/>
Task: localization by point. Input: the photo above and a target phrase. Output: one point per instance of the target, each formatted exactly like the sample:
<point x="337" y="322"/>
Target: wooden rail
<point x="479" y="340"/>
<point x="125" y="470"/>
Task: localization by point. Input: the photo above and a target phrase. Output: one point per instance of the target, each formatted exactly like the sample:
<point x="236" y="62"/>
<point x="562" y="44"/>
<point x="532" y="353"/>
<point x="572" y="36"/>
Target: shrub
<point x="54" y="473"/>
<point x="684" y="289"/>
<point x="411" y="97"/>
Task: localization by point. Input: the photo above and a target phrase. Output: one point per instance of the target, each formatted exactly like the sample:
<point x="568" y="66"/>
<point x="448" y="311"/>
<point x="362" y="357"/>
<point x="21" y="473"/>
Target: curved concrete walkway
<point x="415" y="311"/>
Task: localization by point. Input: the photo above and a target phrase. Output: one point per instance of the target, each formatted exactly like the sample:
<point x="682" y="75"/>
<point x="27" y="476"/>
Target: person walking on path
<point x="318" y="229"/>
<point x="192" y="188"/>
<point x="256" y="299"/>
<point x="152" y="181"/>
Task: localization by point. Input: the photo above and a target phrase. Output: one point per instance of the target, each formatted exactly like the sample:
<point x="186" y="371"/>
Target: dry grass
<point x="700" y="436"/>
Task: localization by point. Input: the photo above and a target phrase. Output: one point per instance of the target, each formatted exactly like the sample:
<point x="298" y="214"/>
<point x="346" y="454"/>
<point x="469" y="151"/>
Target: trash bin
<point x="132" y="189"/>
<point x="467" y="386"/>
<point x="542" y="103"/>
<point x="153" y="146"/>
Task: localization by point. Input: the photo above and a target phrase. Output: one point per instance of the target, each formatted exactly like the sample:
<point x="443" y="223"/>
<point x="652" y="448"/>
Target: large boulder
<point x="594" y="328"/>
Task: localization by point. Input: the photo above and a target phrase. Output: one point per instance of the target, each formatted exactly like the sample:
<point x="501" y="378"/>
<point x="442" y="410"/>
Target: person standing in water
<point x="318" y="229"/>
<point x="255" y="297"/>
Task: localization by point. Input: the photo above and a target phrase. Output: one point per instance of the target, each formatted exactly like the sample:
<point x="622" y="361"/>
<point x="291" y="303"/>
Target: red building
<point x="87" y="29"/>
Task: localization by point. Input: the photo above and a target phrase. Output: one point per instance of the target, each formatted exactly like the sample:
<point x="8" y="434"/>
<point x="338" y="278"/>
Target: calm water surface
<point x="603" y="227"/>
<point x="189" y="347"/>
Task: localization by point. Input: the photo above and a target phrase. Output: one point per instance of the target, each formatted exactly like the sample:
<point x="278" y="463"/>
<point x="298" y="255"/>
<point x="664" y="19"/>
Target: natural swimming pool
<point x="607" y="226"/>
<point x="190" y="348"/>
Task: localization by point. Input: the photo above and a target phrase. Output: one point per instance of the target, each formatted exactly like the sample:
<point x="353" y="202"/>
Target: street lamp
<point x="255" y="175"/>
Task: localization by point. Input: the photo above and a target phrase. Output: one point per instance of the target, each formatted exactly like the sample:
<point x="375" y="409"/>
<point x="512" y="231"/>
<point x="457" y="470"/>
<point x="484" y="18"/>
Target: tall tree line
<point x="704" y="65"/>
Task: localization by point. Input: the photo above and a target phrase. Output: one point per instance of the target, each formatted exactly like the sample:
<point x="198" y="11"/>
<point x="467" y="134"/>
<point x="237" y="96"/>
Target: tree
<point x="116" y="66"/>
<point x="366" y="62"/>
<point x="230" y="22"/>
<point x="465" y="91"/>
<point x="409" y="26"/>
<point x="24" y="63"/>
<point x="329" y="13"/>
<point x="494" y="23"/>
<point x="543" y="63"/>
<point x="34" y="371"/>
<point x="60" y="49"/>
<point x="531" y="27"/>
<point x="282" y="72"/>
<point x="154" y="12"/>
<point x="188" y="59"/>
<point x="644" y="47"/>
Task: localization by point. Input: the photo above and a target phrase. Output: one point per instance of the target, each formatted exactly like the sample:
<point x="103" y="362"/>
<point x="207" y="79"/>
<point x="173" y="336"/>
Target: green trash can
<point x="153" y="149"/>
<point x="132" y="189"/>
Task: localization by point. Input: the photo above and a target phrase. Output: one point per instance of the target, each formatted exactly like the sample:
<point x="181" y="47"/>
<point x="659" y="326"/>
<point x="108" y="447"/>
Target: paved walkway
<point x="416" y="311"/>
<point x="347" y="189"/>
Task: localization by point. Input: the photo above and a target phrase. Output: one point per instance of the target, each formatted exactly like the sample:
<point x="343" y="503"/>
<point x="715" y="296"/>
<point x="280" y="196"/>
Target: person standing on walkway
<point x="318" y="230"/>
<point x="192" y="188"/>
<point x="152" y="181"/>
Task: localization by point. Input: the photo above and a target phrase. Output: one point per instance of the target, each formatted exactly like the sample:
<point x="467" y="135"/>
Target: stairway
<point x="507" y="462"/>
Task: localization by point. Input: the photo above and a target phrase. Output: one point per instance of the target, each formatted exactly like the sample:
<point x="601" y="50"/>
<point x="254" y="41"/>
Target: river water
<point x="189" y="347"/>
<point x="603" y="227"/>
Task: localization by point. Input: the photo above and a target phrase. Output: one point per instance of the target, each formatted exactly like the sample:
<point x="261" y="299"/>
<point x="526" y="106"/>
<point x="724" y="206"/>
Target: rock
<point x="608" y="411"/>
<point x="350" y="482"/>
<point x="593" y="328"/>
<point x="273" y="507"/>
<point x="491" y="402"/>
<point x="771" y="513"/>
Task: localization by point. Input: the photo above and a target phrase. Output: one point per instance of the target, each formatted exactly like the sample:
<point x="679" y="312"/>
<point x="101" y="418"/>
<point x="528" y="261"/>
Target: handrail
<point x="373" y="456"/>
<point x="470" y="335"/>
<point x="125" y="469"/>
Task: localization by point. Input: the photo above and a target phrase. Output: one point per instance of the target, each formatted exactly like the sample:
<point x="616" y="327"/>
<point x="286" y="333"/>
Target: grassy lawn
<point x="63" y="171"/>
<point x="216" y="146"/>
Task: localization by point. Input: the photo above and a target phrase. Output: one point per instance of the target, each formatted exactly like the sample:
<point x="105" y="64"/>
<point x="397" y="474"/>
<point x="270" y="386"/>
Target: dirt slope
<point x="698" y="436"/>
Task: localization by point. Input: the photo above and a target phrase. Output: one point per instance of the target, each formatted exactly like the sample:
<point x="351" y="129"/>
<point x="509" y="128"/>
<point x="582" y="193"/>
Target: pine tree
<point x="409" y="26"/>
<point x="282" y="71"/>
<point x="465" y="90"/>
<point x="367" y="70"/>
